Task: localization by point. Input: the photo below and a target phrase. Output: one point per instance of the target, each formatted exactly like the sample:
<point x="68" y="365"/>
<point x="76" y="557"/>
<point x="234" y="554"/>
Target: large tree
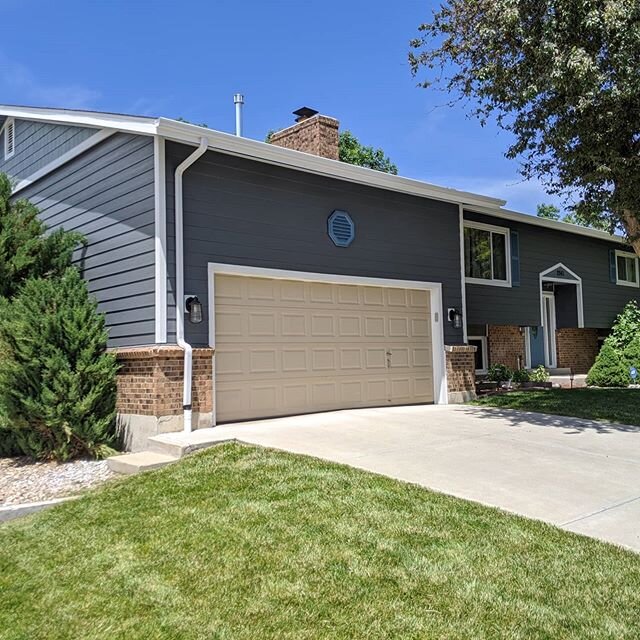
<point x="563" y="76"/>
<point x="351" y="150"/>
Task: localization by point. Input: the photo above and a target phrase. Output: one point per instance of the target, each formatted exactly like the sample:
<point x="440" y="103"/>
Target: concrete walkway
<point x="582" y="476"/>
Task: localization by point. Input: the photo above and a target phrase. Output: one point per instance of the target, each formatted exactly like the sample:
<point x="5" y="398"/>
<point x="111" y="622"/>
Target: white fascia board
<point x="272" y="154"/>
<point x="525" y="218"/>
<point x="133" y="124"/>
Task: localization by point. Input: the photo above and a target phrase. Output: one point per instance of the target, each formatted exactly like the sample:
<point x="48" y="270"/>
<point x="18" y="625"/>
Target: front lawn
<point x="611" y="405"/>
<point x="241" y="542"/>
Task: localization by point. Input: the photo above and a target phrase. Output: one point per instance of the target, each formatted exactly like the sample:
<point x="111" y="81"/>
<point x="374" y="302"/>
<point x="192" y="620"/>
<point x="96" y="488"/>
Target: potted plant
<point x="538" y="378"/>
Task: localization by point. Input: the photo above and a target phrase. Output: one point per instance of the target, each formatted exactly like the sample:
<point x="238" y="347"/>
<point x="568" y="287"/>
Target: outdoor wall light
<point x="455" y="318"/>
<point x="194" y="309"/>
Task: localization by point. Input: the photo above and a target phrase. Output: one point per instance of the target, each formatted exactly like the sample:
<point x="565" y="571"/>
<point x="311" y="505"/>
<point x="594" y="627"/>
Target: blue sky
<point x="347" y="59"/>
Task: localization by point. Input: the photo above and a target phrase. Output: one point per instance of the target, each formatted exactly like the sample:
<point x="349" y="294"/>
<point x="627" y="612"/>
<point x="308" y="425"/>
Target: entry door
<point x="289" y="346"/>
<point x="536" y="347"/>
<point x="549" y="307"/>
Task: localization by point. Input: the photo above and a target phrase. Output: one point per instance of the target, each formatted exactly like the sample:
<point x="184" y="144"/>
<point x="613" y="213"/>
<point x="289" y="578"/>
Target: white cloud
<point x="22" y="86"/>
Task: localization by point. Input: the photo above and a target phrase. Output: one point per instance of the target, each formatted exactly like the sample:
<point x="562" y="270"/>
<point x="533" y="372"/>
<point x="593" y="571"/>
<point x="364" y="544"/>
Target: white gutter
<point x="179" y="230"/>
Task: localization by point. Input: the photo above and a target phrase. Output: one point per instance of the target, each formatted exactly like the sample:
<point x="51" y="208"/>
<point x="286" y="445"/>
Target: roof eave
<point x="556" y="225"/>
<point x="133" y="124"/>
<point x="272" y="154"/>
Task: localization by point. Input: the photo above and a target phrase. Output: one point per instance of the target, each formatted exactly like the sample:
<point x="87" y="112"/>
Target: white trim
<point x="160" y="225"/>
<point x="262" y="152"/>
<point x="244" y="147"/>
<point x="550" y="336"/>
<point x="9" y="122"/>
<point x="485" y="352"/>
<point x="96" y="138"/>
<point x="629" y="256"/>
<point x="463" y="282"/>
<point x="437" y="317"/>
<point x="525" y="218"/>
<point x="96" y="119"/>
<point x="576" y="280"/>
<point x="527" y="348"/>
<point x="504" y="231"/>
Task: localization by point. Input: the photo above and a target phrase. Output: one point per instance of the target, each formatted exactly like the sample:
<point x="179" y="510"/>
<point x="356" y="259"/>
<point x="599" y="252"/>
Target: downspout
<point x="179" y="230"/>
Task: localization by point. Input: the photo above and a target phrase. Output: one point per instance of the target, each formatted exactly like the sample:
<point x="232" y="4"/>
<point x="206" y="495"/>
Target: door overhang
<point x="560" y="273"/>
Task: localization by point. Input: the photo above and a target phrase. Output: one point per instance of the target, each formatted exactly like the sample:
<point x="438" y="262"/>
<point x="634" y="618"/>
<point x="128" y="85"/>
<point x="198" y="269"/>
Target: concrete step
<point x="180" y="444"/>
<point x="559" y="372"/>
<point x="130" y="463"/>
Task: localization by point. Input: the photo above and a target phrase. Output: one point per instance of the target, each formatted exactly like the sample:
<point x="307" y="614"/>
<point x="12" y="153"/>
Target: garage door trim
<point x="435" y="288"/>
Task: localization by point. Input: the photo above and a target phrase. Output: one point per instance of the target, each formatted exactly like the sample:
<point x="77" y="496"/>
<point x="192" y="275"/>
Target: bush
<point x="499" y="373"/>
<point x="520" y="376"/>
<point x="626" y="328"/>
<point x="26" y="250"/>
<point x="631" y="355"/>
<point x="609" y="369"/>
<point x="539" y="374"/>
<point x="57" y="382"/>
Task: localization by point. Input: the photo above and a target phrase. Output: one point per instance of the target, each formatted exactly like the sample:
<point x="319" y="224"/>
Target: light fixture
<point x="455" y="318"/>
<point x="193" y="307"/>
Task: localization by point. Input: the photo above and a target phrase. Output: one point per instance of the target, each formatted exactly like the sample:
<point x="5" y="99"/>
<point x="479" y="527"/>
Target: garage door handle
<point x="388" y="358"/>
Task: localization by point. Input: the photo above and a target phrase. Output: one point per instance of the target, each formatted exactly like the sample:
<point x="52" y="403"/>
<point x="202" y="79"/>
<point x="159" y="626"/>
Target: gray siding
<point x="540" y="249"/>
<point x="107" y="194"/>
<point x="37" y="144"/>
<point x="243" y="212"/>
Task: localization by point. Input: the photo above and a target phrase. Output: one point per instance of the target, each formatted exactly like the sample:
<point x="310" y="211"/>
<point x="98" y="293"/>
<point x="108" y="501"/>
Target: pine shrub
<point x="26" y="250"/>
<point x="609" y="369"/>
<point x="631" y="355"/>
<point x="57" y="382"/>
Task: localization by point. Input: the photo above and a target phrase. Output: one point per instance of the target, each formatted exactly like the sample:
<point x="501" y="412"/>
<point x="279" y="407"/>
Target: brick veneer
<point x="150" y="381"/>
<point x="577" y="349"/>
<point x="317" y="135"/>
<point x="461" y="372"/>
<point x="506" y="346"/>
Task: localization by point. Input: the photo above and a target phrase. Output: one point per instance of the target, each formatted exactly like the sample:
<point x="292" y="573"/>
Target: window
<point x="480" y="342"/>
<point x="487" y="254"/>
<point x="627" y="269"/>
<point x="9" y="138"/>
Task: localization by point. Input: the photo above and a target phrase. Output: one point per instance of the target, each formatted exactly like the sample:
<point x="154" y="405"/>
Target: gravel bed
<point x="22" y="480"/>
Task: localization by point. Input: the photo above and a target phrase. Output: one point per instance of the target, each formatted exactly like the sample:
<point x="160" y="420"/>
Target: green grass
<point x="246" y="543"/>
<point x="612" y="405"/>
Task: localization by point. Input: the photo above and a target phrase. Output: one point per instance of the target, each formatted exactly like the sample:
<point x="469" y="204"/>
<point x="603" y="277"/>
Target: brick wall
<point x="461" y="372"/>
<point x="506" y="346"/>
<point x="317" y="135"/>
<point x="150" y="381"/>
<point x="577" y="349"/>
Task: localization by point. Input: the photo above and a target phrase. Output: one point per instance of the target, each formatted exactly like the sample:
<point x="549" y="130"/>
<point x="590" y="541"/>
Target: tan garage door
<point x="292" y="346"/>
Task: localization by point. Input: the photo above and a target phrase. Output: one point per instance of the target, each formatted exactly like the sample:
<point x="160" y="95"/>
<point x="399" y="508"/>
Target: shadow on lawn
<point x="571" y="425"/>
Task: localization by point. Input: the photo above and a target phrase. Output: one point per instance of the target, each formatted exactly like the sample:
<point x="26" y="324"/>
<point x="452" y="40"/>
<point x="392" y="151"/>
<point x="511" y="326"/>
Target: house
<point x="241" y="279"/>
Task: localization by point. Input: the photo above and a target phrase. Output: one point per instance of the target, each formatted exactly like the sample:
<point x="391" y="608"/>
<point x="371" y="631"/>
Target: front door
<point x="549" y="309"/>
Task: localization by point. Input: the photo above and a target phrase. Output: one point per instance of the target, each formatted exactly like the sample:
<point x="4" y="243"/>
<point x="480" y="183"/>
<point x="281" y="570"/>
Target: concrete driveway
<point x="582" y="476"/>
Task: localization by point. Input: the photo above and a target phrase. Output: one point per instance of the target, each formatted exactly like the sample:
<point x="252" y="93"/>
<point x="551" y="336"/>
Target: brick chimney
<point x="312" y="133"/>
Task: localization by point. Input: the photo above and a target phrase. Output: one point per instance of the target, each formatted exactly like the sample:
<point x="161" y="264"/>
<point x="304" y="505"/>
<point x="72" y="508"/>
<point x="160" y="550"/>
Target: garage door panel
<point x="287" y="346"/>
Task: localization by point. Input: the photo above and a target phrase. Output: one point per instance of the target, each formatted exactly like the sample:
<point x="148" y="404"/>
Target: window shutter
<point x="515" y="259"/>
<point x="613" y="271"/>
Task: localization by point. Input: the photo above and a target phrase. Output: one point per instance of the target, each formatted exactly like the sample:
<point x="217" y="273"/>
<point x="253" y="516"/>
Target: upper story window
<point x="627" y="269"/>
<point x="9" y="138"/>
<point x="487" y="254"/>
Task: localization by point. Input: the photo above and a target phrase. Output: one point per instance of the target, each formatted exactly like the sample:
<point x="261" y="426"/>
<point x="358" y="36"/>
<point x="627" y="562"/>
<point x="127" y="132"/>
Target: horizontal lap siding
<point x="107" y="194"/>
<point x="541" y="249"/>
<point x="249" y="213"/>
<point x="39" y="143"/>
